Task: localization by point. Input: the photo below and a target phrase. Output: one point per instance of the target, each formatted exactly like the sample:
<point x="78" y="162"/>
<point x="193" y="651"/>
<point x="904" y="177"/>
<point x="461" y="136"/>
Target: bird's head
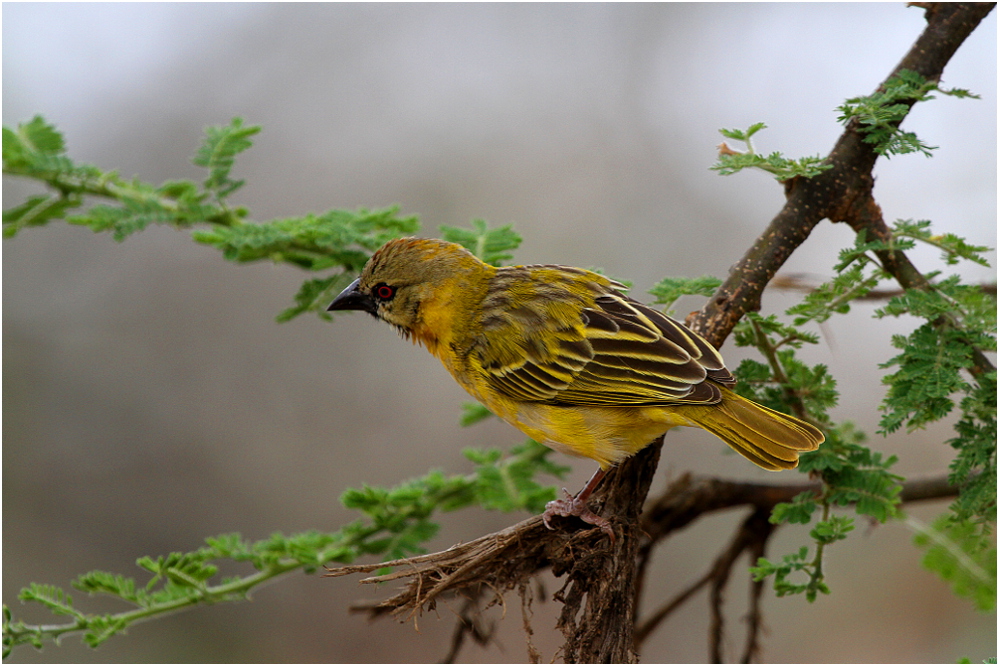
<point x="407" y="275"/>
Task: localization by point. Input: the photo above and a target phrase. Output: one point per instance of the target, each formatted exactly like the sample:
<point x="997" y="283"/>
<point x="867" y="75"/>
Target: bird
<point x="564" y="355"/>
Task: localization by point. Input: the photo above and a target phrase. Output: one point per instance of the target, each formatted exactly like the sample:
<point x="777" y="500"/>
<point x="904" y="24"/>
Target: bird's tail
<point x="768" y="438"/>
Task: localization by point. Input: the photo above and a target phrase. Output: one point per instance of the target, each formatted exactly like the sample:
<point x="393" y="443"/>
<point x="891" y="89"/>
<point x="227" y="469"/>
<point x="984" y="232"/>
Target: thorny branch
<point x="604" y="581"/>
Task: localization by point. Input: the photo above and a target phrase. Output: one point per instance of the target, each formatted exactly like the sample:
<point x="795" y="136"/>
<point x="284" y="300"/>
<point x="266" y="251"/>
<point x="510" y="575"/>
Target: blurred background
<point x="150" y="399"/>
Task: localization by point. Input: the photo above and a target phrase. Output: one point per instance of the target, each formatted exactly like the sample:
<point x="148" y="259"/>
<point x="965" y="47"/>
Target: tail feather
<point x="766" y="437"/>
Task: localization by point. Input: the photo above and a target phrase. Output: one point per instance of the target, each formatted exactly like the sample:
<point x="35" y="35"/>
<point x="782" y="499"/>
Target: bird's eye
<point x="383" y="292"/>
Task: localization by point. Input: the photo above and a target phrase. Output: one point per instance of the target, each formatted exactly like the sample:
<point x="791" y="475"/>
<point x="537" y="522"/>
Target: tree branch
<point x="502" y="561"/>
<point x="832" y="193"/>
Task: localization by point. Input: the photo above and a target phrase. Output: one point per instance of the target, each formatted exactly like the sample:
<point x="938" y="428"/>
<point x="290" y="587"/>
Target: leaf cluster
<point x="396" y="523"/>
<point x="878" y="115"/>
<point x="937" y="368"/>
<point x="933" y="373"/>
<point x="783" y="382"/>
<point x="960" y="554"/>
<point x="336" y="241"/>
<point x="37" y="150"/>
<point x="493" y="246"/>
<point x="730" y="161"/>
<point x="668" y="290"/>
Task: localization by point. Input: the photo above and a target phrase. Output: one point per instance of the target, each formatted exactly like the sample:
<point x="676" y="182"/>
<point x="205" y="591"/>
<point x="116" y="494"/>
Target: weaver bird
<point x="562" y="354"/>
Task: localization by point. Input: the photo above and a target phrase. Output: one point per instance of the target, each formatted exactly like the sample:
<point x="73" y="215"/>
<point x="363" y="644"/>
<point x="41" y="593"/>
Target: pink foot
<point x="576" y="506"/>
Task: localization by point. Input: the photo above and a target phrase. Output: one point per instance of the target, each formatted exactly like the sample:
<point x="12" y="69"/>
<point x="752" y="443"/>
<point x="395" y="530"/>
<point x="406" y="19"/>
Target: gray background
<point x="150" y="399"/>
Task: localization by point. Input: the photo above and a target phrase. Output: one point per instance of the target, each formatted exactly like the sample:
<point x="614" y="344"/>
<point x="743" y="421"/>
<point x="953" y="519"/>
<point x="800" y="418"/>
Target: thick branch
<point x="688" y="498"/>
<point x="499" y="561"/>
<point x="832" y="193"/>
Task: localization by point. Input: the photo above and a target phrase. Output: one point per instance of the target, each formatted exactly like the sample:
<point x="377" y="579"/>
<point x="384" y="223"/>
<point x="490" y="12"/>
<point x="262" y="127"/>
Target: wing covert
<point x="604" y="350"/>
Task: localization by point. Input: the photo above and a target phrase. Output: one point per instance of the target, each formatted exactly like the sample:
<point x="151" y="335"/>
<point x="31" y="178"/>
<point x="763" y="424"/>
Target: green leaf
<point x="800" y="510"/>
<point x="729" y="161"/>
<point x="31" y="141"/>
<point x="959" y="554"/>
<point x="743" y="135"/>
<point x="473" y="413"/>
<point x="37" y="210"/>
<point x="493" y="246"/>
<point x="218" y="154"/>
<point x="953" y="248"/>
<point x="52" y="597"/>
<point x="832" y="530"/>
<point x="668" y="290"/>
<point x="836" y="295"/>
<point x="335" y="238"/>
<point x="315" y="295"/>
<point x="878" y="115"/>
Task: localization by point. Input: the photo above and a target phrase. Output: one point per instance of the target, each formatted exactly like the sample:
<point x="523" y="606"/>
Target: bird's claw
<point x="573" y="506"/>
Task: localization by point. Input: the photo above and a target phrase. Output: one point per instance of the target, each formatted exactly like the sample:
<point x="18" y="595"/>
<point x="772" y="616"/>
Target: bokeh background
<point x="150" y="399"/>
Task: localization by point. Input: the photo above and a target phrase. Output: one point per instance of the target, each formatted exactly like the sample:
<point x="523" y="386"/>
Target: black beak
<point x="353" y="299"/>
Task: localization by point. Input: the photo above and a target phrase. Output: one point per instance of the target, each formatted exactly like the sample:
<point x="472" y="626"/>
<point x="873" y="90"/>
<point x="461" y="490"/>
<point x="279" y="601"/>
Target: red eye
<point x="383" y="292"/>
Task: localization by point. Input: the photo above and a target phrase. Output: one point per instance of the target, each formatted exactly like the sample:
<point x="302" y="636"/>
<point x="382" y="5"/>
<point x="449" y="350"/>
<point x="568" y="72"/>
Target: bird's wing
<point x="603" y="349"/>
<point x="643" y="357"/>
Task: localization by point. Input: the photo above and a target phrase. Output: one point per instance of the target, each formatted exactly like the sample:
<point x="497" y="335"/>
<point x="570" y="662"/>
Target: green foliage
<point x="797" y="562"/>
<point x="218" y="154"/>
<point x="336" y="240"/>
<point x="974" y="467"/>
<point x="37" y="150"/>
<point x="850" y="473"/>
<point x="396" y="523"/>
<point x="730" y="161"/>
<point x="878" y="115"/>
<point x="668" y="290"/>
<point x="936" y="365"/>
<point x="929" y="375"/>
<point x="953" y="248"/>
<point x="853" y="474"/>
<point x="835" y="296"/>
<point x="493" y="246"/>
<point x="473" y="412"/>
<point x="508" y="483"/>
<point x="825" y="532"/>
<point x="784" y="383"/>
<point x="960" y="554"/>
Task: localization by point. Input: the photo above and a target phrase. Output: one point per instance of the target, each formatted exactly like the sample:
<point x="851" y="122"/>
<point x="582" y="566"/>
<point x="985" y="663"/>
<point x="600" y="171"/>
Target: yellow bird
<point x="562" y="354"/>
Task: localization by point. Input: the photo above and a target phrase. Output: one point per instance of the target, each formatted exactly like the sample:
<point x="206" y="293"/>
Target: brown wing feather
<point x="641" y="358"/>
<point x="611" y="351"/>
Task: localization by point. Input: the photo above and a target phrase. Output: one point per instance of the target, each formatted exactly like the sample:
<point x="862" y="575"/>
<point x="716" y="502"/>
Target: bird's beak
<point x="352" y="299"/>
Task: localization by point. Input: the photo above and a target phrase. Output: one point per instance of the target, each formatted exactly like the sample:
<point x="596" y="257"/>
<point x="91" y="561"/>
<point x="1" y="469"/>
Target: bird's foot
<point x="576" y="506"/>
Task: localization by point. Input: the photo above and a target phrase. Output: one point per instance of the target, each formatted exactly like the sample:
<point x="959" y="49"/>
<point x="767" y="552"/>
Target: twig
<point x="651" y="623"/>
<point x="754" y="618"/>
<point x="526" y="615"/>
<point x="503" y="559"/>
<point x="800" y="282"/>
<point x="756" y="529"/>
<point x="469" y="624"/>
